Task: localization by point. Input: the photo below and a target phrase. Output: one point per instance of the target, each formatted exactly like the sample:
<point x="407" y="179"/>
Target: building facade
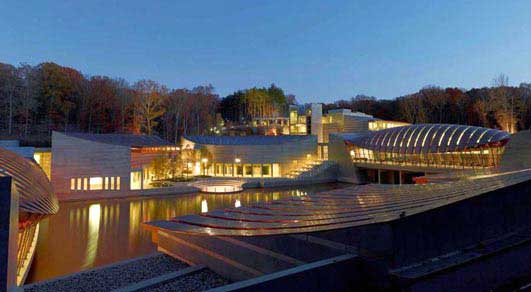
<point x="110" y="163"/>
<point x="250" y="156"/>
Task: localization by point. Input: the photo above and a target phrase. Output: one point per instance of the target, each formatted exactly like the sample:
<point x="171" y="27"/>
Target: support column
<point x="8" y="234"/>
<point x="379" y="176"/>
<point x="399" y="177"/>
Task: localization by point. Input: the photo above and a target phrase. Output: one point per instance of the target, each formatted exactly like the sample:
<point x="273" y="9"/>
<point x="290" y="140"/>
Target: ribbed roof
<point x="123" y="139"/>
<point x="424" y="138"/>
<point x="248" y="140"/>
<point x="36" y="195"/>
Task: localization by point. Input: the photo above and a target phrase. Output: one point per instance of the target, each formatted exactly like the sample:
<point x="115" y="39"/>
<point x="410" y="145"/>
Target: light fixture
<point x="237" y="160"/>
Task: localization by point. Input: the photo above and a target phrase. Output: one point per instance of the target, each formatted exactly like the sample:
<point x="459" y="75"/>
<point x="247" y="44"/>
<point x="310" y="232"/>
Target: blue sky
<point x="317" y="50"/>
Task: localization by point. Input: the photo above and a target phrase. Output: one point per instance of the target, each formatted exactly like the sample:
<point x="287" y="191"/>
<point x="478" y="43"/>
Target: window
<point x="106" y="186"/>
<point x="229" y="170"/>
<point x="219" y="169"/>
<point x="96" y="183"/>
<point x="72" y="184"/>
<point x="276" y="170"/>
<point x="248" y="170"/>
<point x="112" y="183"/>
<point x="118" y="183"/>
<point x="266" y="170"/>
<point x="136" y="180"/>
<point x="257" y="170"/>
<point x="239" y="170"/>
<point x="79" y="184"/>
<point x="85" y="184"/>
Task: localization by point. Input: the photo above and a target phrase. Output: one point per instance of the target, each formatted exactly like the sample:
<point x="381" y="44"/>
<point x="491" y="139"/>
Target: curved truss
<point x="424" y="138"/>
<point x="36" y="200"/>
<point x="431" y="145"/>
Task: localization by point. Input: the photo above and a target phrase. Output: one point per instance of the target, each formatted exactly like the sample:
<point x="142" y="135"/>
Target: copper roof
<point x="424" y="138"/>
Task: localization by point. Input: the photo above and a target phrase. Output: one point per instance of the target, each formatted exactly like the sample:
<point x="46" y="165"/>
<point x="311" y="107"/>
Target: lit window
<point x="72" y="184"/>
<point x="112" y="182"/>
<point x="266" y="170"/>
<point x="78" y="184"/>
<point x="85" y="184"/>
<point x="106" y="187"/>
<point x="96" y="183"/>
<point x="118" y="183"/>
<point x="276" y="170"/>
<point x="136" y="180"/>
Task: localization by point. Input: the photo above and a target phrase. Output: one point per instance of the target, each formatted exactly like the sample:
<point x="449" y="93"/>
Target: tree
<point x="28" y="104"/>
<point x="150" y="96"/>
<point x="8" y="87"/>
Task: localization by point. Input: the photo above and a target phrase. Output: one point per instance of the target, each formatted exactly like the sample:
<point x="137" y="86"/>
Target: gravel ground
<point x="199" y="281"/>
<point x="115" y="276"/>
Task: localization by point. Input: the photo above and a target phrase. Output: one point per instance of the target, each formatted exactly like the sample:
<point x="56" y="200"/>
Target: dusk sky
<point x="317" y="50"/>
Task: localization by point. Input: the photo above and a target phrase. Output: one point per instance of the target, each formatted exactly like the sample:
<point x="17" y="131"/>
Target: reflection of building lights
<point x="93" y="235"/>
<point x="204" y="206"/>
<point x="237" y="204"/>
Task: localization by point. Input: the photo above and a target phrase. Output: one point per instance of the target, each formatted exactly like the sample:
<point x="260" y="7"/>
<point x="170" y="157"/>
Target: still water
<point x="88" y="234"/>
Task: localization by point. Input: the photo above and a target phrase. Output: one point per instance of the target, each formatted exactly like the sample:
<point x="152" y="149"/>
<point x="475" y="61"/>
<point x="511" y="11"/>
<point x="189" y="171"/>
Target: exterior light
<point x="204" y="160"/>
<point x="237" y="160"/>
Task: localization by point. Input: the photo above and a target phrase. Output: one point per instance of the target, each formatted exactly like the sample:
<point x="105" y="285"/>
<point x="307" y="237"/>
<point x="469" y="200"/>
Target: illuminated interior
<point x="431" y="145"/>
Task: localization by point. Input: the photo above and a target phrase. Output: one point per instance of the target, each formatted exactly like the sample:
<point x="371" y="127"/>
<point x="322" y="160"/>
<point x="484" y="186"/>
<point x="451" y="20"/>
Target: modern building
<point x="396" y="155"/>
<point x="250" y="156"/>
<point x="36" y="200"/>
<point x="110" y="163"/>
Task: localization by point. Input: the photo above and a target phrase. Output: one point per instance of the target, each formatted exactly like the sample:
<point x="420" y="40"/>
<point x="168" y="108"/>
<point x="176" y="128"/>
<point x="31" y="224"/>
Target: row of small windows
<point x="245" y="170"/>
<point x="97" y="183"/>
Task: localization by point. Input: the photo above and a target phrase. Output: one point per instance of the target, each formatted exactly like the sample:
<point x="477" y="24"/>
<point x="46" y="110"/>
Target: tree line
<point x="35" y="100"/>
<point x="500" y="106"/>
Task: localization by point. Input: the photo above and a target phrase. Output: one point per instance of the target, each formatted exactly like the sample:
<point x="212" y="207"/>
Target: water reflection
<point x="93" y="235"/>
<point x="204" y="206"/>
<point x="84" y="235"/>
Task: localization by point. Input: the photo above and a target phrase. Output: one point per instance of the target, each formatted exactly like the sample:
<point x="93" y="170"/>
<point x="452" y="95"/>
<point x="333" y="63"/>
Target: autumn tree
<point x="150" y="97"/>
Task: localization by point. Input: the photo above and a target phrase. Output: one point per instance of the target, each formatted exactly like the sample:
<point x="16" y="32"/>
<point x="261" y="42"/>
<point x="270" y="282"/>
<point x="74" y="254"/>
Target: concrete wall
<point x="337" y="152"/>
<point x="517" y="153"/>
<point x="74" y="157"/>
<point x="316" y="121"/>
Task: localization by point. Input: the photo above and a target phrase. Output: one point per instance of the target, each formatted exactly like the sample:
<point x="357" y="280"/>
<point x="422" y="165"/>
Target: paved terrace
<point x="338" y="209"/>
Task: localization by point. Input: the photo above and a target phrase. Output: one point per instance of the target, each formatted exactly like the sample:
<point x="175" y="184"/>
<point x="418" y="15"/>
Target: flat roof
<point x="130" y="140"/>
<point x="248" y="140"/>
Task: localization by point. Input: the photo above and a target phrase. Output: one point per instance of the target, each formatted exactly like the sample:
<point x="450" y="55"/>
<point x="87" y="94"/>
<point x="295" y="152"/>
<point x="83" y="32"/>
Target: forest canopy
<point x="35" y="100"/>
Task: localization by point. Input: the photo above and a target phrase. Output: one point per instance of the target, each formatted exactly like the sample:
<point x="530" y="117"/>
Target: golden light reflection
<point x="204" y="206"/>
<point x="92" y="235"/>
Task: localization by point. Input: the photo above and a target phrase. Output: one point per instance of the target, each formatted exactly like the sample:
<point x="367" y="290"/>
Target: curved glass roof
<point x="432" y="138"/>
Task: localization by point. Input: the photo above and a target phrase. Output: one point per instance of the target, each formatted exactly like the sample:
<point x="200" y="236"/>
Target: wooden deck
<point x="343" y="208"/>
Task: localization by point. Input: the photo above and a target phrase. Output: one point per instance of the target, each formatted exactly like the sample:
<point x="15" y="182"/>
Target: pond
<point x="89" y="234"/>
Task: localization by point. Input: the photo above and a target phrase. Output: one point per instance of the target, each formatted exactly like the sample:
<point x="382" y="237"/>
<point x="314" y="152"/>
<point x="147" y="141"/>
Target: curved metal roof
<point x="248" y="140"/>
<point x="433" y="138"/>
<point x="34" y="188"/>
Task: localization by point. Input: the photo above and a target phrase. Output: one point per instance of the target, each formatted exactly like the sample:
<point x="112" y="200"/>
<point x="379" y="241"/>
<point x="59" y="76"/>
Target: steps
<point x="311" y="169"/>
